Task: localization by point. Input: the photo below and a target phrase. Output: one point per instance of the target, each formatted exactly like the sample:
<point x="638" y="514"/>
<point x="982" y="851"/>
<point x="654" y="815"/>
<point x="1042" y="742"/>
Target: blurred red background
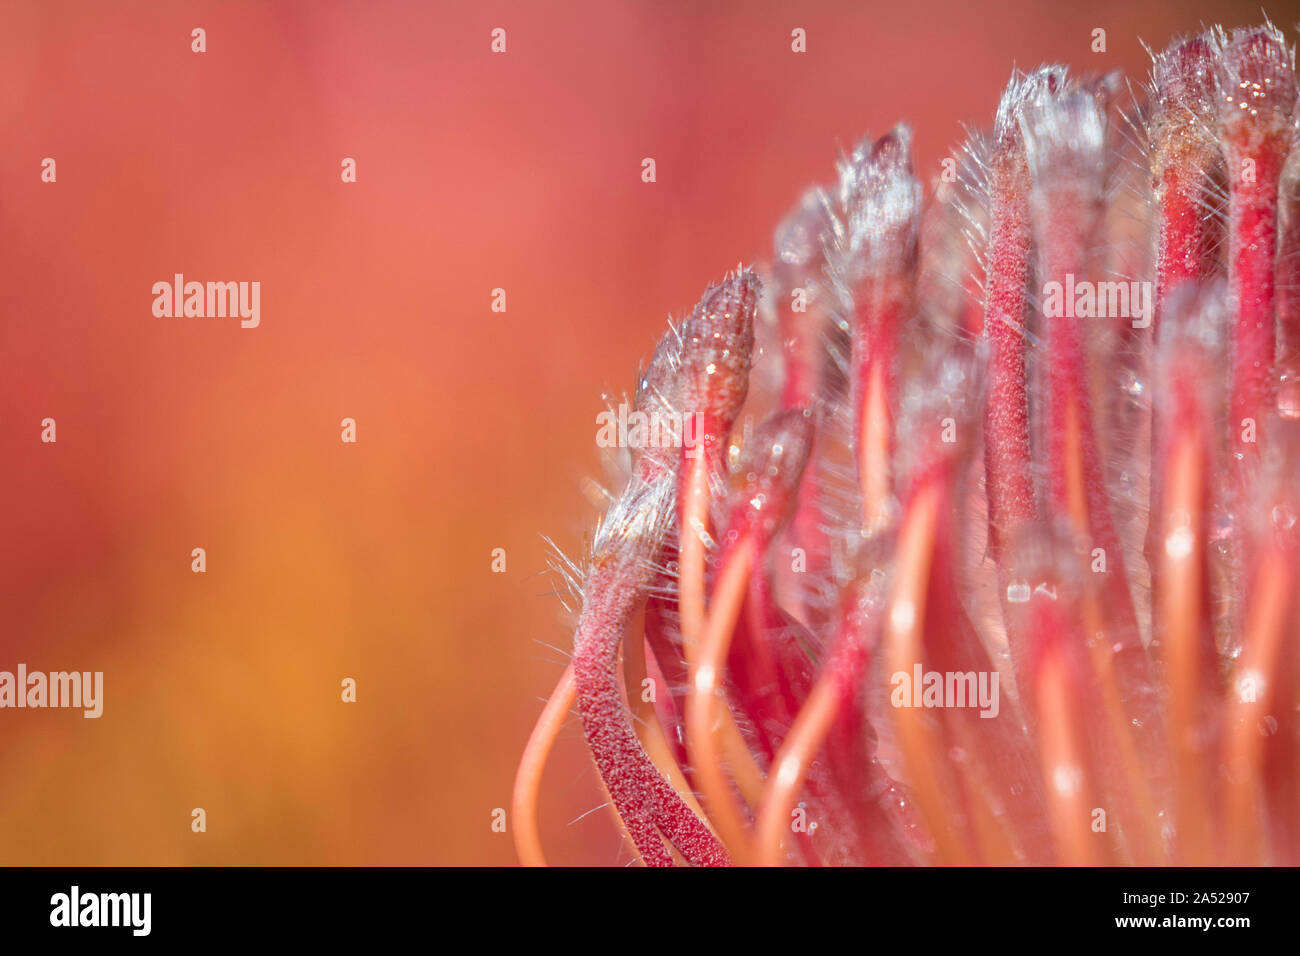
<point x="373" y="561"/>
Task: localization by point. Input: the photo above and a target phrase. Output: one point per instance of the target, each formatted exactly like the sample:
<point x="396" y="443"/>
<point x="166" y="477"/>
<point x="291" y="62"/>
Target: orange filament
<point x="904" y="628"/>
<point x="995" y="842"/>
<point x="691" y="551"/>
<point x="1063" y="767"/>
<point x="528" y="778"/>
<point x="1134" y="780"/>
<point x="690" y="564"/>
<point x="648" y="728"/>
<point x="1250" y="705"/>
<point x="1141" y="832"/>
<point x="873" y="452"/>
<point x="703" y="708"/>
<point x="1179" y="598"/>
<point x="1076" y="495"/>
<point x="790" y="767"/>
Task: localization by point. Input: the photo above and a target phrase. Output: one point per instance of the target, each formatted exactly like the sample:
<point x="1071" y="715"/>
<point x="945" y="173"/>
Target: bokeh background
<point x="475" y="429"/>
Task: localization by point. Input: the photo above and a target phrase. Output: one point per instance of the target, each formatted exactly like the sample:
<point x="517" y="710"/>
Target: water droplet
<point x="1133" y="386"/>
<point x="1268" y="726"/>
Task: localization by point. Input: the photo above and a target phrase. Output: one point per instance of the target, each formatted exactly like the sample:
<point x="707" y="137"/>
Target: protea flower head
<point x="966" y="532"/>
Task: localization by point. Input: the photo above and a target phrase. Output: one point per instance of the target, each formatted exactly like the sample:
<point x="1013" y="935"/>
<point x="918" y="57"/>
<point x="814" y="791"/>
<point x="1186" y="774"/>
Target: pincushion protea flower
<point x="978" y="544"/>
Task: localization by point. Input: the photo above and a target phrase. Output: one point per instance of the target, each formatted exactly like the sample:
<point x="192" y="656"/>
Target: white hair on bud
<point x="1065" y="137"/>
<point x="1025" y="91"/>
<point x="881" y="196"/>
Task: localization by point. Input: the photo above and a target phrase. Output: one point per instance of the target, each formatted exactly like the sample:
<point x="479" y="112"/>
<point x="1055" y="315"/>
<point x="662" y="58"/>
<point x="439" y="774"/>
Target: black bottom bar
<point x="334" y="905"/>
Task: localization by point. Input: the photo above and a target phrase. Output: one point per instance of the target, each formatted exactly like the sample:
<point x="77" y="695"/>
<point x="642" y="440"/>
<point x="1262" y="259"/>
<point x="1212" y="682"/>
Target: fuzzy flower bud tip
<point x="1259" y="87"/>
<point x="717" y="347"/>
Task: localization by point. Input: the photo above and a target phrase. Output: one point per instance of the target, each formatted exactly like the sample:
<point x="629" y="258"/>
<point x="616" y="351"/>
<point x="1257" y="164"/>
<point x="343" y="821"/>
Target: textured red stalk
<point x="643" y="798"/>
<point x="624" y="571"/>
<point x="1184" y="156"/>
<point x="1008" y="478"/>
<point x="1259" y="94"/>
<point x="1188" y="237"/>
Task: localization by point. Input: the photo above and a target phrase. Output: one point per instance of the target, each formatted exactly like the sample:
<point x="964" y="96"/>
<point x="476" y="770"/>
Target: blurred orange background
<point x="372" y="560"/>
